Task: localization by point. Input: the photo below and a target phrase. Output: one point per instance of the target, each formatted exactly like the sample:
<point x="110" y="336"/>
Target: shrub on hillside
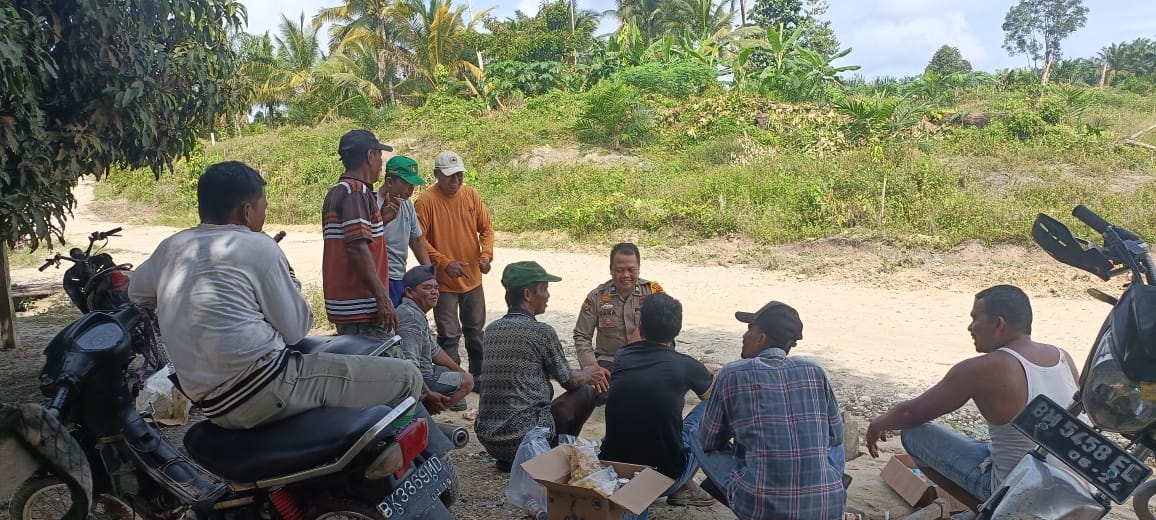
<point x="1052" y="110"/>
<point x="1025" y="125"/>
<point x="678" y="79"/>
<point x="615" y="115"/>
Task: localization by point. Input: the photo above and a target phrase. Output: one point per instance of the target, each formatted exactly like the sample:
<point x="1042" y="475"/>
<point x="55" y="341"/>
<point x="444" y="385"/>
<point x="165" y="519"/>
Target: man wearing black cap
<point x="782" y="418"/>
<point x="522" y="356"/>
<point x="446" y="384"/>
<point x="355" y="265"/>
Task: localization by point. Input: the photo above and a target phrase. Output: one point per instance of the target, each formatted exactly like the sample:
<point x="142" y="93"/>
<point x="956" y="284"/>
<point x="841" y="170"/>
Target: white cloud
<point x="903" y="47"/>
<point x="908" y="8"/>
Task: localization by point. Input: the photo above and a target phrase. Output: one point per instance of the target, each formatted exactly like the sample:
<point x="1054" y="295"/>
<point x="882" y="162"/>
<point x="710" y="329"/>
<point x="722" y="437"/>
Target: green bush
<point x="1025" y="125"/>
<point x="678" y="80"/>
<point x="615" y="115"/>
<point x="1052" y="110"/>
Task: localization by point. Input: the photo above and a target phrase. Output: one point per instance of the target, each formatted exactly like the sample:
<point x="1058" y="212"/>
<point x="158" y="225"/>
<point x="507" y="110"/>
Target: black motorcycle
<point x="327" y="463"/>
<point x="95" y="282"/>
<point x="1117" y="390"/>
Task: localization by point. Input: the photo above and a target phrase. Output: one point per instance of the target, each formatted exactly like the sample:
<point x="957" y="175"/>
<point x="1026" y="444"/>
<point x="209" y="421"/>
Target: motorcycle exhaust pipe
<point x="1140" y="500"/>
<point x="458" y="435"/>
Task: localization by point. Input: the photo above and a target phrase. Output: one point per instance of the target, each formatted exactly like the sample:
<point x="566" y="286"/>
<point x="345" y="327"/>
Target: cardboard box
<point x="565" y="502"/>
<point x="899" y="475"/>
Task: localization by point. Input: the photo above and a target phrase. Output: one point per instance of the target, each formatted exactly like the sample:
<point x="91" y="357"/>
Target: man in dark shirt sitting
<point x="644" y="423"/>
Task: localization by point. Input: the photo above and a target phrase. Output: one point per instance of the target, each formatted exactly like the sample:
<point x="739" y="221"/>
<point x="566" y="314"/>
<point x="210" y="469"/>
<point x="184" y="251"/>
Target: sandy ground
<point x="883" y="333"/>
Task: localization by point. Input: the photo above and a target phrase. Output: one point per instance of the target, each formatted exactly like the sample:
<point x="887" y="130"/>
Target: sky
<point x="887" y="37"/>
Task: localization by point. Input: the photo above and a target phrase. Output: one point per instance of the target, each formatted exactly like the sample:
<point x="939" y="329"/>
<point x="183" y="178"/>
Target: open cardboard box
<point x="898" y="474"/>
<point x="565" y="502"/>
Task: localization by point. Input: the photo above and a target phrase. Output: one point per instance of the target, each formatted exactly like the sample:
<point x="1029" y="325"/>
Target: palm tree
<point x="298" y="51"/>
<point x="433" y="32"/>
<point x="372" y="25"/>
<point x="646" y="15"/>
<point x="702" y="18"/>
<point x="257" y="69"/>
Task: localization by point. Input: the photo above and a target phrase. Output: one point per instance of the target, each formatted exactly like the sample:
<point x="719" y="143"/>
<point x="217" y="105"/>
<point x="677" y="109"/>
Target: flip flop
<point x="701" y="499"/>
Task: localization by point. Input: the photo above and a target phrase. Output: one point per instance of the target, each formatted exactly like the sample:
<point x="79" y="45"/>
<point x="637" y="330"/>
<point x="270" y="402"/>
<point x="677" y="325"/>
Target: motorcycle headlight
<point x="1112" y="400"/>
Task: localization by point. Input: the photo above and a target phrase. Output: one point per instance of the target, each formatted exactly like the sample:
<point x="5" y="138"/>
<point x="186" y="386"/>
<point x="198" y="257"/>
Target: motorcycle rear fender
<point x="1038" y="490"/>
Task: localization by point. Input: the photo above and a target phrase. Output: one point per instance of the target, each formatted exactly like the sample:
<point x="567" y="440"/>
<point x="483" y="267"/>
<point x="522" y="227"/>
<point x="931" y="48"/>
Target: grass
<point x="708" y="170"/>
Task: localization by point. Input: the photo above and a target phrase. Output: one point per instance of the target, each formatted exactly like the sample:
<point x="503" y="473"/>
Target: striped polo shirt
<point x="350" y="213"/>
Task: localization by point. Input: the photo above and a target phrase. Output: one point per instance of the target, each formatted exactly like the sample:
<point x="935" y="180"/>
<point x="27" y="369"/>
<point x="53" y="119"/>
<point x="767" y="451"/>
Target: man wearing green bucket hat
<point x="522" y="356"/>
<point x="403" y="232"/>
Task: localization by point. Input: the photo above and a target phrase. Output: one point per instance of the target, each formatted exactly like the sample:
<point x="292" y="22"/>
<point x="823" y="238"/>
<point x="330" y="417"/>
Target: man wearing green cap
<point x="522" y="356"/>
<point x="403" y="232"/>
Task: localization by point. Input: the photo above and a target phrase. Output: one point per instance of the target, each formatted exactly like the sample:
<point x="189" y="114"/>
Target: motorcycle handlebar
<point x="1098" y="223"/>
<point x="1090" y="218"/>
<point x="47" y="263"/>
<point x="110" y="232"/>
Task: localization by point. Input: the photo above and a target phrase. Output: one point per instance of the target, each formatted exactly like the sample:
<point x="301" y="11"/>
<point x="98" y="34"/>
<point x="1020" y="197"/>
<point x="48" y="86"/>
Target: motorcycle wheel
<point x="48" y="498"/>
<point x="341" y="509"/>
<point x="450" y="496"/>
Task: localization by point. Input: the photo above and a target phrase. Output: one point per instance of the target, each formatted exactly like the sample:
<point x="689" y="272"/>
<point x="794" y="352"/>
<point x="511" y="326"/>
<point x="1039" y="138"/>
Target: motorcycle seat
<point x="349" y="344"/>
<point x="303" y="441"/>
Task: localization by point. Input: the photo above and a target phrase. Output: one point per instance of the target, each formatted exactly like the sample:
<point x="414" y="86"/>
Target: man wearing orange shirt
<point x="460" y="240"/>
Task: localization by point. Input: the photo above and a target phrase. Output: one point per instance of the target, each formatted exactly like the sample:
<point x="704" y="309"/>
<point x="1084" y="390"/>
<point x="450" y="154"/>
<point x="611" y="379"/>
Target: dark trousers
<point x="458" y="314"/>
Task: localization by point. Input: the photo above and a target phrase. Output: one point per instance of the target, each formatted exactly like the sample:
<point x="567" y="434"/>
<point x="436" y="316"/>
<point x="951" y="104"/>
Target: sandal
<point x="700" y="499"/>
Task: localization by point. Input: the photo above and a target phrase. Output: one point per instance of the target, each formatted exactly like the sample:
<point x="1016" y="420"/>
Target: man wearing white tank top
<point x="1011" y="370"/>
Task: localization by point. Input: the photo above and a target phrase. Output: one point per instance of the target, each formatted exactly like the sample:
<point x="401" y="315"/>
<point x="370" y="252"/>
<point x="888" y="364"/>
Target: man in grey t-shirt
<point x="403" y="232"/>
<point x="446" y="384"/>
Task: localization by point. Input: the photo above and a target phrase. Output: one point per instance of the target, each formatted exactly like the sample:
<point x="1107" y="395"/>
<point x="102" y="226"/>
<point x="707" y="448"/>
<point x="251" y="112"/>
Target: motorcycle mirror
<point x="1103" y="296"/>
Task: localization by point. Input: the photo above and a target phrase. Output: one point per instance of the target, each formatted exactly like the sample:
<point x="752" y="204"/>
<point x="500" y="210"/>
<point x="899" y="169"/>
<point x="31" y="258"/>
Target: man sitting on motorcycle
<point x="228" y="304"/>
<point x="1011" y="371"/>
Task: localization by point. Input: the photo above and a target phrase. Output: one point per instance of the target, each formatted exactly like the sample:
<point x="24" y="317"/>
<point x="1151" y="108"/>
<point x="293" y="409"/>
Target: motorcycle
<point x="1117" y="391"/>
<point x="96" y="282"/>
<point x="374" y="463"/>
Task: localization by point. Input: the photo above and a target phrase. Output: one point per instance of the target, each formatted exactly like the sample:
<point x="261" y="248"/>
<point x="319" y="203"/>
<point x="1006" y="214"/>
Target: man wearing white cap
<point x="460" y="240"/>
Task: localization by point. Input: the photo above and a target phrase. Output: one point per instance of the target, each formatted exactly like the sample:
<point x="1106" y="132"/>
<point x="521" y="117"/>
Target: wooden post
<point x="7" y="309"/>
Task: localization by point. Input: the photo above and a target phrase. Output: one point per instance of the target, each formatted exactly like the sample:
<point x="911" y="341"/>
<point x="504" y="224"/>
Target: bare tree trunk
<point x="743" y="12"/>
<point x="7" y="309"/>
<point x="1104" y="74"/>
<point x="1047" y="71"/>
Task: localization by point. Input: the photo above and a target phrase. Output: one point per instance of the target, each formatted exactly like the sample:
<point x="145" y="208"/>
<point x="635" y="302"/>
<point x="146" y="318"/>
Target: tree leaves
<point x="127" y="83"/>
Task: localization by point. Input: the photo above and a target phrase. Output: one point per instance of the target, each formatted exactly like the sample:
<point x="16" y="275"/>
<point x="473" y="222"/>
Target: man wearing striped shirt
<point x="355" y="258"/>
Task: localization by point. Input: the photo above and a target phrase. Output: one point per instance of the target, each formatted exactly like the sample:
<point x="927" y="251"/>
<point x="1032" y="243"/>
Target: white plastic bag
<point x="159" y="397"/>
<point x="523" y="492"/>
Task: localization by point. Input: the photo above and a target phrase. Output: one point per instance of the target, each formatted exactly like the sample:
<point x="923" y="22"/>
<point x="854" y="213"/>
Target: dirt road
<point x="879" y="344"/>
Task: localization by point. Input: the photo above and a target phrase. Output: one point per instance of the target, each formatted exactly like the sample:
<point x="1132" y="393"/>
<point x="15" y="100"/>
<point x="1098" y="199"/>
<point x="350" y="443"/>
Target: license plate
<point x="1098" y="460"/>
<point x="414" y="495"/>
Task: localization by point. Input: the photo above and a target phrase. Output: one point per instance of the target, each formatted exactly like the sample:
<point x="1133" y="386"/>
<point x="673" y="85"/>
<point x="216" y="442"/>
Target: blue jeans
<point x="689" y="434"/>
<point x="396" y="291"/>
<point x="720" y="465"/>
<point x="964" y="461"/>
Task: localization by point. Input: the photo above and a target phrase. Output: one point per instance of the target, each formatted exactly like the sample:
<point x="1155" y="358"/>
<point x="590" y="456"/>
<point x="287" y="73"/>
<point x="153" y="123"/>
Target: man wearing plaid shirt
<point x="787" y="456"/>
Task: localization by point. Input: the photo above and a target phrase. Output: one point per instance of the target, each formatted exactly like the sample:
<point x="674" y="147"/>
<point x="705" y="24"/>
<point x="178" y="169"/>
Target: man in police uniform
<point x="613" y="310"/>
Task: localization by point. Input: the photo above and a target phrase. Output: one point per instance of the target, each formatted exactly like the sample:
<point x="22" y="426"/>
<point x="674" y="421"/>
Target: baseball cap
<point x="521" y="274"/>
<point x="417" y="276"/>
<point x="356" y="142"/>
<point x="405" y="168"/>
<point x="449" y="163"/>
<point x="778" y="320"/>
